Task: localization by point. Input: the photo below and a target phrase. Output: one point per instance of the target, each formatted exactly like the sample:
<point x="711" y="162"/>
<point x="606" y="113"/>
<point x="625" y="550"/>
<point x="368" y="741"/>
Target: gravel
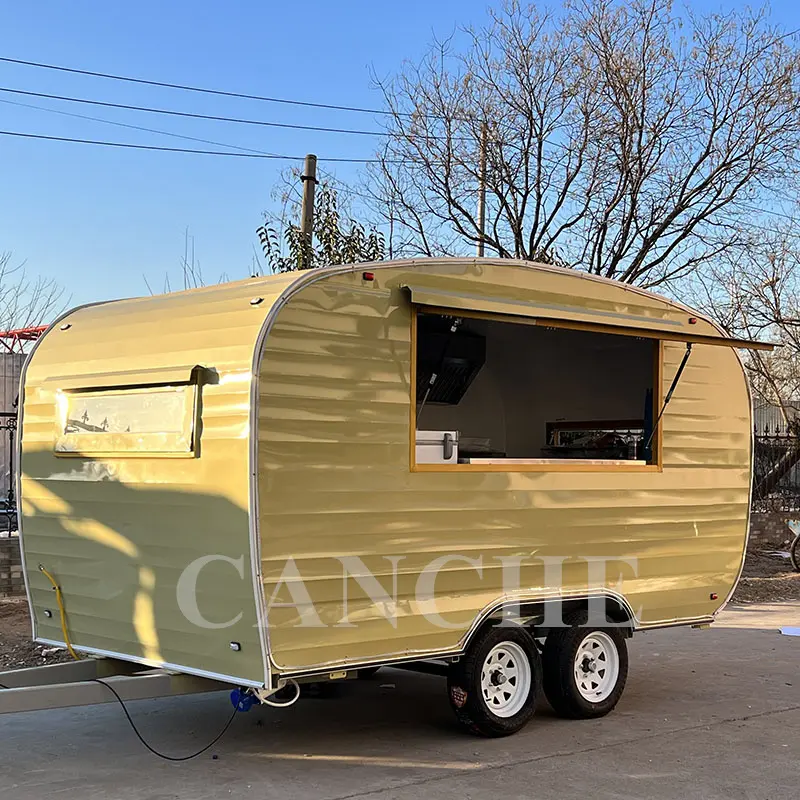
<point x="16" y="648"/>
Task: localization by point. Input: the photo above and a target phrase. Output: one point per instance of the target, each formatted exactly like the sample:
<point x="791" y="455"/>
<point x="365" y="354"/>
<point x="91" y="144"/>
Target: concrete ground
<point x="706" y="714"/>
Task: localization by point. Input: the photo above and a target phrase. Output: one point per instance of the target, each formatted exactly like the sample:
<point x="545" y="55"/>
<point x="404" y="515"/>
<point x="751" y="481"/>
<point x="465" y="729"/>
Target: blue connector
<point x="243" y="700"/>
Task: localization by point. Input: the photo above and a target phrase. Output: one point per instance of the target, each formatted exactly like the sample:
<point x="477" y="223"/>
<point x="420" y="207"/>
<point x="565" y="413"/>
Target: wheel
<point x="585" y="668"/>
<point x="367" y="672"/>
<point x="794" y="553"/>
<point x="493" y="689"/>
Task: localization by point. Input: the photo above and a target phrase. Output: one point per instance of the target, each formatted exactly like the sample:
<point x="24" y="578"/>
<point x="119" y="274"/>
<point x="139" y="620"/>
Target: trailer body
<point x="223" y="480"/>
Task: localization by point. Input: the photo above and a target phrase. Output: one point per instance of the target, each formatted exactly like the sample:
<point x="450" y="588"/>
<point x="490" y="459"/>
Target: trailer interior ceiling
<point x="490" y="392"/>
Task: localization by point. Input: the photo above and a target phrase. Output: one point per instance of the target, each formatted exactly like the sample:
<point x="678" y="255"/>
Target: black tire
<point x="558" y="661"/>
<point x="367" y="672"/>
<point x="794" y="553"/>
<point x="465" y="686"/>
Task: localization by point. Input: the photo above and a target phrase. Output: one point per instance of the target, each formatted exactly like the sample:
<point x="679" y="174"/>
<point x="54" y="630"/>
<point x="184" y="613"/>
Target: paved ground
<point x="707" y="714"/>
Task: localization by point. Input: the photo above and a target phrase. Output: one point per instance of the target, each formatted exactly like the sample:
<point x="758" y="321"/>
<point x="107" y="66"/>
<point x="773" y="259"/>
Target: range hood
<point x="454" y="357"/>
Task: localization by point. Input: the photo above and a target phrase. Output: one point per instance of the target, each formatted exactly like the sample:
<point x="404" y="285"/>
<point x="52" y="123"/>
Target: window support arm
<point x="669" y="393"/>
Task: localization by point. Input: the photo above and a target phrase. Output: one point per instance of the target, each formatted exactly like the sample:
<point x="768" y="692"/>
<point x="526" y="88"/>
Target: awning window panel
<point x="569" y="316"/>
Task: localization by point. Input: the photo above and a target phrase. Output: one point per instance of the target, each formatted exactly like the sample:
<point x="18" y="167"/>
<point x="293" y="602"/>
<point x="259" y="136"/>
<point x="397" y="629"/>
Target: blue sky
<point x="97" y="219"/>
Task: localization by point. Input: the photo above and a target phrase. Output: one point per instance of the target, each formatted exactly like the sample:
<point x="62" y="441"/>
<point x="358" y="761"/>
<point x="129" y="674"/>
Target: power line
<point x="273" y="156"/>
<point x="134" y="127"/>
<point x="181" y="149"/>
<point x="246" y="151"/>
<point x="192" y="115"/>
<point x="186" y="88"/>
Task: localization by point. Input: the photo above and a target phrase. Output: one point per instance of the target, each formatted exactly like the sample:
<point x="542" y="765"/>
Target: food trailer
<point x="500" y="470"/>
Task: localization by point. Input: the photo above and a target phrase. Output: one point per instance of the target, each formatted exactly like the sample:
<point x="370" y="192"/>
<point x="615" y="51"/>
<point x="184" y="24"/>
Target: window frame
<point x="538" y="464"/>
<point x="182" y="444"/>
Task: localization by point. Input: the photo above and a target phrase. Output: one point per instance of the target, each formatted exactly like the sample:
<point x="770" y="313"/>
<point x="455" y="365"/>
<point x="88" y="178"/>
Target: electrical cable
<point x="201" y="90"/>
<point x="128" y="145"/>
<point x="192" y="115"/>
<point x="236" y="120"/>
<point x="61" y="610"/>
<point x="187" y="150"/>
<point x="149" y="746"/>
<point x="133" y="127"/>
<point x="224" y="93"/>
<point x="267" y="702"/>
<point x="65" y="633"/>
<point x="248" y="152"/>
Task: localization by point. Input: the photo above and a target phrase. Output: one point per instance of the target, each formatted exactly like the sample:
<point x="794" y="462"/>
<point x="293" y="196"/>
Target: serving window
<point x="491" y="393"/>
<point x="138" y="420"/>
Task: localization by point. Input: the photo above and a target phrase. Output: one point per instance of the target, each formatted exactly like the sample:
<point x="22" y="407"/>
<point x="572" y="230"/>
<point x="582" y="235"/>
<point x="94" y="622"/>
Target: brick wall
<point x="771" y="528"/>
<point x="11" y="580"/>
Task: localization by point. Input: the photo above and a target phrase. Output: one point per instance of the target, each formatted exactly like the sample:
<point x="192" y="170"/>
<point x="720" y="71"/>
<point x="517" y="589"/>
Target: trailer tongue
<point x="87" y="682"/>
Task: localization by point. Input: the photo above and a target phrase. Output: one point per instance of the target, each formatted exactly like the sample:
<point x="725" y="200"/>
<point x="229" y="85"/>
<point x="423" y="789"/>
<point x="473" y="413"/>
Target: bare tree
<point x="755" y="294"/>
<point x="622" y="138"/>
<point x="26" y="301"/>
<point x="190" y="270"/>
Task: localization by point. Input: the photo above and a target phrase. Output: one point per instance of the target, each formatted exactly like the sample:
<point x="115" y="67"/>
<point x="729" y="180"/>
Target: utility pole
<point x="482" y="188"/>
<point x="309" y="179"/>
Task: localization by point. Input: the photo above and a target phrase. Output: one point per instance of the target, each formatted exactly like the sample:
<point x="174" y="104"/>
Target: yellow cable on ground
<point x="60" y="601"/>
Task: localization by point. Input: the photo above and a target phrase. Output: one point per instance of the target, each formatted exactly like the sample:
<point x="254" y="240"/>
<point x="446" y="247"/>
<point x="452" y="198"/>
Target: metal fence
<point x="776" y="467"/>
<point x="10" y="368"/>
<point x="8" y="505"/>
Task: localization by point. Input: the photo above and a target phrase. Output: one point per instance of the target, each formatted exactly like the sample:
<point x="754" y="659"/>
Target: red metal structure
<point x="13" y="340"/>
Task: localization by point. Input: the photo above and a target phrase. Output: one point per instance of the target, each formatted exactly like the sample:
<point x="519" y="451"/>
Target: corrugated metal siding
<point x="10" y="368"/>
<point x="118" y="532"/>
<point x="334" y="479"/>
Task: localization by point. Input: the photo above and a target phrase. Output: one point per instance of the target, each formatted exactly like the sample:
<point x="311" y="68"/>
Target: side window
<point x="492" y="392"/>
<point x="141" y="419"/>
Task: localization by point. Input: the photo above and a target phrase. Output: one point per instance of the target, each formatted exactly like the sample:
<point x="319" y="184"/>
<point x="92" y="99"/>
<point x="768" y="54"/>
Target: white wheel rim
<point x="506" y="679"/>
<point x="596" y="667"/>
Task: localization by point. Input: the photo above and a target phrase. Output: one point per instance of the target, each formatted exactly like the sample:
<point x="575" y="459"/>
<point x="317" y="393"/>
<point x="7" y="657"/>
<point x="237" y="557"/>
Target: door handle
<point x="447" y="446"/>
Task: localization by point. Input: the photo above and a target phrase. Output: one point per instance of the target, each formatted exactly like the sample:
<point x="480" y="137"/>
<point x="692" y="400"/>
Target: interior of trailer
<point x="491" y="391"/>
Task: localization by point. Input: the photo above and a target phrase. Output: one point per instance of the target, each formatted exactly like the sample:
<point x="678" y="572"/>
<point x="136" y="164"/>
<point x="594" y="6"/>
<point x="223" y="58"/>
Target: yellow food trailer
<point x="454" y="461"/>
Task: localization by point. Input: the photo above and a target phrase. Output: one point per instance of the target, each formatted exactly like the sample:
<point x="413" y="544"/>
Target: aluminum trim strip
<point x="200" y="673"/>
<point x="18" y="449"/>
<point x="480" y="618"/>
<point x="255" y="533"/>
<point x="750" y="494"/>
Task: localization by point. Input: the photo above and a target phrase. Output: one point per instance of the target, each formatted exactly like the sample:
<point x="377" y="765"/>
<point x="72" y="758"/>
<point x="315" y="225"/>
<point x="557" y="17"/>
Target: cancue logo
<point x="443" y="591"/>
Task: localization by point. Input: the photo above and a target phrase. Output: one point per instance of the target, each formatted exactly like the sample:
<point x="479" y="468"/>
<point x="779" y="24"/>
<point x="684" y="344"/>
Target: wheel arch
<point x="538" y="614"/>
